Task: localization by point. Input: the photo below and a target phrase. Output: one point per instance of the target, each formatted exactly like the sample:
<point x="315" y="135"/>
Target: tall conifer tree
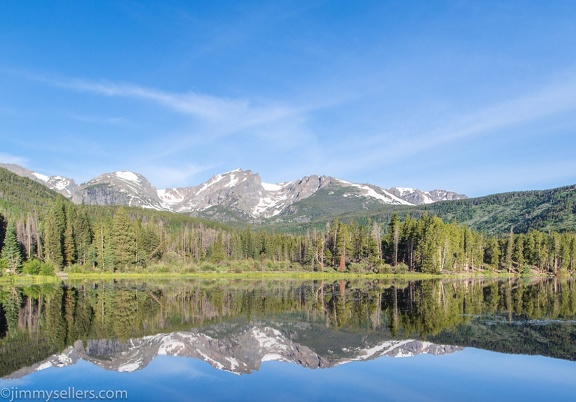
<point x="11" y="250"/>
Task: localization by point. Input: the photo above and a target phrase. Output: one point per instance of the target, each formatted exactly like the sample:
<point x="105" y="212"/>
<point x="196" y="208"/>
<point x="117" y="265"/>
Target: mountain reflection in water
<point x="237" y="325"/>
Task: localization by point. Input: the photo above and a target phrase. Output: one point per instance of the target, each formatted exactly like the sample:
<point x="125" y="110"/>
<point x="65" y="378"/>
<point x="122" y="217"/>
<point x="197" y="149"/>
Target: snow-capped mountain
<point x="243" y="192"/>
<point x="240" y="353"/>
<point x="417" y="197"/>
<point x="119" y="188"/>
<point x="237" y="195"/>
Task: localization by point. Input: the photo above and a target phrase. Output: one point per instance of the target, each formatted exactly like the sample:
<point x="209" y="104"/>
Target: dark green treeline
<point x="106" y="239"/>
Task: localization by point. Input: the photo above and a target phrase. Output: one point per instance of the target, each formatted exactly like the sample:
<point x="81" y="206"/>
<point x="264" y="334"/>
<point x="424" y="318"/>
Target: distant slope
<point x="60" y="184"/>
<point x="544" y="210"/>
<point x="20" y="195"/>
<point x="327" y="203"/>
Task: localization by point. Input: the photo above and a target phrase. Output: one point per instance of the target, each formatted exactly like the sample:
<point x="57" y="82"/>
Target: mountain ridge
<point x="236" y="195"/>
<point x="241" y="353"/>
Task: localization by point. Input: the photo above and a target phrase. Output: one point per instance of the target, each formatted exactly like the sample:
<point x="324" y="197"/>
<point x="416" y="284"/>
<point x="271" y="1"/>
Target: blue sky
<point x="473" y="96"/>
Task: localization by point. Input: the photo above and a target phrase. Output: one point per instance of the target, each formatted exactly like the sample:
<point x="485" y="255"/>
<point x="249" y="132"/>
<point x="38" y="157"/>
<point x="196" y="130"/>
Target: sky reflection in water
<point x="470" y="374"/>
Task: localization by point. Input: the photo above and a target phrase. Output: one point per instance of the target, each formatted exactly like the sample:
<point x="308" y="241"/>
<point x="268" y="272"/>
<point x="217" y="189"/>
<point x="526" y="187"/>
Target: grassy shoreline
<point x="37" y="279"/>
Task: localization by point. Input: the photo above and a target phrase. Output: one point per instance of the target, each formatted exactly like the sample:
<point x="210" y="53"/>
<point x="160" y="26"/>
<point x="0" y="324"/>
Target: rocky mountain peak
<point x="119" y="188"/>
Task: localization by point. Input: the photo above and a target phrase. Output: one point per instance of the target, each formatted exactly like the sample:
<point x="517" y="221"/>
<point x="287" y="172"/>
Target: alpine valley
<point x="238" y="196"/>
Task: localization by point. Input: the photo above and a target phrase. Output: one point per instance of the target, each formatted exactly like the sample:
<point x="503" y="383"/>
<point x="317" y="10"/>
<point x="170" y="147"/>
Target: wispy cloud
<point x="391" y="147"/>
<point x="97" y="119"/>
<point x="212" y="117"/>
<point x="207" y="107"/>
<point x="243" y="112"/>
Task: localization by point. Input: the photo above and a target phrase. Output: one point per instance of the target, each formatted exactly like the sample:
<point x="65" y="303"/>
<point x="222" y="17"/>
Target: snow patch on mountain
<point x="44" y="366"/>
<point x="271" y="187"/>
<point x="272" y="357"/>
<point x="126" y="175"/>
<point x="42" y="177"/>
<point x="383" y="195"/>
<point x="130" y="367"/>
<point x="268" y="341"/>
<point x="63" y="185"/>
<point x="271" y="203"/>
<point x="170" y="196"/>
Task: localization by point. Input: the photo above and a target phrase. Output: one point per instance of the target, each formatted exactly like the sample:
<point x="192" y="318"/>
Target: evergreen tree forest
<point x="79" y="238"/>
<point x="43" y="233"/>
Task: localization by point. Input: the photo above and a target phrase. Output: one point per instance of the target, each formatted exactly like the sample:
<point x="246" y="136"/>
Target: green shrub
<point x="208" y="267"/>
<point x="37" y="267"/>
<point x="296" y="266"/>
<point x="385" y="268"/>
<point x="47" y="269"/>
<point x="356" y="267"/>
<point x="401" y="268"/>
<point x="189" y="269"/>
<point x="32" y="267"/>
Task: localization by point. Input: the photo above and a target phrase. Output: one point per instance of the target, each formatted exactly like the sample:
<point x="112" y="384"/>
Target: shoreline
<point x="38" y="279"/>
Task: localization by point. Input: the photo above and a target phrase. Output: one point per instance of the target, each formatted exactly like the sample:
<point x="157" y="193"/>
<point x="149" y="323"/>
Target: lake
<point x="290" y="340"/>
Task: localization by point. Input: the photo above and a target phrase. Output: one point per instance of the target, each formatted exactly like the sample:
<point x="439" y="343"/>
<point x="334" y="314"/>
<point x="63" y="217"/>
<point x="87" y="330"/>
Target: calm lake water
<point x="194" y="340"/>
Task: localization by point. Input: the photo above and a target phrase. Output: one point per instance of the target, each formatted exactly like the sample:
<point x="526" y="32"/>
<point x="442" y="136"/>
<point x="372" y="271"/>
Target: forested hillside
<point x="522" y="211"/>
<point x="19" y="195"/>
<point x="545" y="210"/>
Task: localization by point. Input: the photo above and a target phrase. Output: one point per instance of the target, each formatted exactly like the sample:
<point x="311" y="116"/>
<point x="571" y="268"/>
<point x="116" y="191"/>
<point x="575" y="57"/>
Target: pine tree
<point x="53" y="241"/>
<point x="54" y="233"/>
<point x="518" y="255"/>
<point x="83" y="234"/>
<point x="492" y="254"/>
<point x="69" y="241"/>
<point x="11" y="250"/>
<point x="216" y="250"/>
<point x="123" y="239"/>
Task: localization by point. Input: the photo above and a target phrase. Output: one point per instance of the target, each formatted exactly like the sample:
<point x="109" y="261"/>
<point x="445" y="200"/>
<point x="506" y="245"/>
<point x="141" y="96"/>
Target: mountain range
<point x="239" y="195"/>
<point x="240" y="353"/>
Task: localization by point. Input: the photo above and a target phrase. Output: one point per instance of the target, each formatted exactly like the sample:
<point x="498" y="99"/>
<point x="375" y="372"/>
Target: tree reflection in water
<point x="533" y="316"/>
